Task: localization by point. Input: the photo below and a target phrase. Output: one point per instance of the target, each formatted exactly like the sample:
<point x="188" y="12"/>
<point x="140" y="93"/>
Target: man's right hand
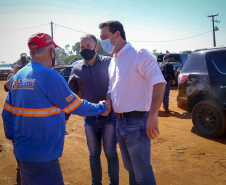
<point x="173" y="82"/>
<point x="108" y="107"/>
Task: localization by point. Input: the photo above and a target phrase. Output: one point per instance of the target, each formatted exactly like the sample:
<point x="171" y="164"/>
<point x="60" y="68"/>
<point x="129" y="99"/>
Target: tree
<point x="66" y="55"/>
<point x="60" y="52"/>
<point x="76" y="48"/>
<point x="156" y="53"/>
<point x="67" y="50"/>
<point x="69" y="59"/>
<point x="187" y="51"/>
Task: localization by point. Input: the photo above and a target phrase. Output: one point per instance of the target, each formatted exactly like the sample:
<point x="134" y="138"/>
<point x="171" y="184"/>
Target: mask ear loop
<point x="116" y="40"/>
<point x="54" y="53"/>
<point x="51" y="56"/>
<point x="95" y="48"/>
<point x="51" y="53"/>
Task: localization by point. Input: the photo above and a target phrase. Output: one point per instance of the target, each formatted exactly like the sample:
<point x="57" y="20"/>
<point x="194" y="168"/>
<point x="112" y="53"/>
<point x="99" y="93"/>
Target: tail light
<point x="182" y="77"/>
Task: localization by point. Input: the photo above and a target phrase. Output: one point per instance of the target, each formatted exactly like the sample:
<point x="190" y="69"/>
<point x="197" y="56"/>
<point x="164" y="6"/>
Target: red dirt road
<point x="179" y="155"/>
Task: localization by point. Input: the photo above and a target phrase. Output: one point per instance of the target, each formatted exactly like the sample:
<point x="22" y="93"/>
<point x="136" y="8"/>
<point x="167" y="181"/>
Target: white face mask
<point x="107" y="46"/>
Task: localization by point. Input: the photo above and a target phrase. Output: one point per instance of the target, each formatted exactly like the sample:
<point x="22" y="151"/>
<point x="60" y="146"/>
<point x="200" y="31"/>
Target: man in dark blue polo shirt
<point x="90" y="77"/>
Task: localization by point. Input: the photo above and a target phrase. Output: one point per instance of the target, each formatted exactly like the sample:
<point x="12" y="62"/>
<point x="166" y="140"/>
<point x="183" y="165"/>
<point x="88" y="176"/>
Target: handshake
<point x="108" y="107"/>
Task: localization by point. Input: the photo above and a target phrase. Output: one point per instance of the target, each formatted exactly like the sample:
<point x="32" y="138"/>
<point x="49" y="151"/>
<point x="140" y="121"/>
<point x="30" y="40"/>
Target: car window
<point x="58" y="69"/>
<point x="160" y="58"/>
<point x="195" y="63"/>
<point x="219" y="60"/>
<point x="172" y="58"/>
<point x="184" y="58"/>
<point x="65" y="71"/>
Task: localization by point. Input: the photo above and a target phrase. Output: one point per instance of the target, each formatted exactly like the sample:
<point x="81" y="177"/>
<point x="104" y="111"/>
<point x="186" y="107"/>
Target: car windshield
<point x="172" y="58"/>
<point x="4" y="65"/>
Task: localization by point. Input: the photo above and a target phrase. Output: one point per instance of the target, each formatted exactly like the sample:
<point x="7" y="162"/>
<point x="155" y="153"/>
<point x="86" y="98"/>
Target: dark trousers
<point x="166" y="96"/>
<point x="102" y="130"/>
<point x="47" y="173"/>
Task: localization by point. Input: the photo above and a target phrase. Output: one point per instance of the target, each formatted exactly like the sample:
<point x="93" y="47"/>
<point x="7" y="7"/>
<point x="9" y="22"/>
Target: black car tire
<point x="209" y="119"/>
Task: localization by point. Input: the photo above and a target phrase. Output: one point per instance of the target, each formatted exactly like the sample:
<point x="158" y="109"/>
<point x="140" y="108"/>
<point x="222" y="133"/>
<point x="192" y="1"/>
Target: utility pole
<point x="214" y="40"/>
<point x="52" y="29"/>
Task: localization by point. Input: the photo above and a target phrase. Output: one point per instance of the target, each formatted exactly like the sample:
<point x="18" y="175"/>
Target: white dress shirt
<point x="132" y="75"/>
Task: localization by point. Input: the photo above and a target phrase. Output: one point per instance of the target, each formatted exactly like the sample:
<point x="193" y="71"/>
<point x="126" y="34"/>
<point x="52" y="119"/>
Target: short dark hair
<point x="166" y="57"/>
<point x="89" y="36"/>
<point x="113" y="27"/>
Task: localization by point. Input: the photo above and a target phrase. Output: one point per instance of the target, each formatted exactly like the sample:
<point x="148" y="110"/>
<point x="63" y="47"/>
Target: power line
<point x="98" y="35"/>
<point x="73" y="29"/>
<point x="70" y="28"/>
<point x="139" y="41"/>
<point x="24" y="28"/>
<point x="176" y="39"/>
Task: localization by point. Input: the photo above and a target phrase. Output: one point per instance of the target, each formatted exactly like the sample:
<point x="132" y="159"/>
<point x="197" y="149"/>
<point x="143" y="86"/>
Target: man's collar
<point x="127" y="46"/>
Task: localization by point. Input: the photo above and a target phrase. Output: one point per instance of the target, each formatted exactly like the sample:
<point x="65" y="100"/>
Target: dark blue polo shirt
<point x="91" y="81"/>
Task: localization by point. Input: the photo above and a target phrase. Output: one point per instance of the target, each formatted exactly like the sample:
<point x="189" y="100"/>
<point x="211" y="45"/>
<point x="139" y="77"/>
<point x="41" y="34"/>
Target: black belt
<point x="132" y="114"/>
<point x="98" y="116"/>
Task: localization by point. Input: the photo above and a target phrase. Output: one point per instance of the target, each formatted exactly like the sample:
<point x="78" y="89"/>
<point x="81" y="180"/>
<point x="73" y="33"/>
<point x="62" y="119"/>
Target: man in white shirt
<point x="136" y="88"/>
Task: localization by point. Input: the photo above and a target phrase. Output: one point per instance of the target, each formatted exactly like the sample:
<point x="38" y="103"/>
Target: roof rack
<point x="204" y="49"/>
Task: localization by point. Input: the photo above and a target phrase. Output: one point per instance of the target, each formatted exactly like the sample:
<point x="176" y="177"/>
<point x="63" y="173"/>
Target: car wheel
<point x="209" y="119"/>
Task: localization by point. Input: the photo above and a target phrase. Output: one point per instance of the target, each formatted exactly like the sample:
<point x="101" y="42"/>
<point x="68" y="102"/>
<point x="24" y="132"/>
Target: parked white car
<point x="5" y="70"/>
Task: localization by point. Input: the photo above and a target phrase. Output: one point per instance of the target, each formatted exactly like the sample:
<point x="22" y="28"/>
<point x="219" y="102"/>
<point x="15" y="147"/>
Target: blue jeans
<point x="98" y="130"/>
<point x="135" y="148"/>
<point x="48" y="173"/>
<point x="166" y="96"/>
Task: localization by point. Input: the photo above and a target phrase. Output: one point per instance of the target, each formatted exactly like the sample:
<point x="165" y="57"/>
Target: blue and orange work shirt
<point x="33" y="113"/>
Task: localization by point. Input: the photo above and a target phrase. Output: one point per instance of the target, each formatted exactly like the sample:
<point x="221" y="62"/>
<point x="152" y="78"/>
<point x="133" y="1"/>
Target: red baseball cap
<point x="39" y="40"/>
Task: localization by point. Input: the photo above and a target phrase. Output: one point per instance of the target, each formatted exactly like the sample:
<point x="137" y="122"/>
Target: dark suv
<point x="65" y="71"/>
<point x="202" y="90"/>
<point x="176" y="59"/>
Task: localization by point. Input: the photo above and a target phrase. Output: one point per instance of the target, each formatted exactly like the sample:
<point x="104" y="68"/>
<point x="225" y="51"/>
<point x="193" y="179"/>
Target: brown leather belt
<point x="132" y="114"/>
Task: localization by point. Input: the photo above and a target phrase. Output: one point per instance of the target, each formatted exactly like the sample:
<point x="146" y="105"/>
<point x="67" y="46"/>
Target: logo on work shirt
<point x="26" y="83"/>
<point x="70" y="97"/>
<point x="14" y="85"/>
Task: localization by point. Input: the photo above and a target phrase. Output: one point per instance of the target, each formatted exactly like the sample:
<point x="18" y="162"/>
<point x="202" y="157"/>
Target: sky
<point x="175" y="25"/>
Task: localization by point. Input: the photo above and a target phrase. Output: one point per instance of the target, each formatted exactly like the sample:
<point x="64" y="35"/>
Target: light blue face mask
<point x="107" y="46"/>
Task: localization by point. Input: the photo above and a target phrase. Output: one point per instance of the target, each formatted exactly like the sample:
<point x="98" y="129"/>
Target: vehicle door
<point x="216" y="66"/>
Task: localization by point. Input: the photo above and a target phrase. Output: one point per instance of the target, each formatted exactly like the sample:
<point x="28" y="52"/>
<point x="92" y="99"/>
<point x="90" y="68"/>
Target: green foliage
<point x="66" y="55"/>
<point x="187" y="51"/>
<point x="60" y="52"/>
<point x="69" y="59"/>
<point x="76" y="48"/>
<point x="156" y="53"/>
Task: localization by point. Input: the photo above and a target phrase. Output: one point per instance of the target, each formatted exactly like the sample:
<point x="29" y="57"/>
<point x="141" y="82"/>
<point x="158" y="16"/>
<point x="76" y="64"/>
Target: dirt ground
<point x="180" y="156"/>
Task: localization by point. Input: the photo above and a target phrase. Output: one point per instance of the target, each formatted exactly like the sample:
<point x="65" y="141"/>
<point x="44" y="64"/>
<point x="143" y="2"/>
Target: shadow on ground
<point x="174" y="114"/>
<point x="221" y="139"/>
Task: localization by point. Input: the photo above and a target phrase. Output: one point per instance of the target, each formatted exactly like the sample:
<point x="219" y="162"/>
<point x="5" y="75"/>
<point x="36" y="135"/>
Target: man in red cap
<point x="34" y="114"/>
